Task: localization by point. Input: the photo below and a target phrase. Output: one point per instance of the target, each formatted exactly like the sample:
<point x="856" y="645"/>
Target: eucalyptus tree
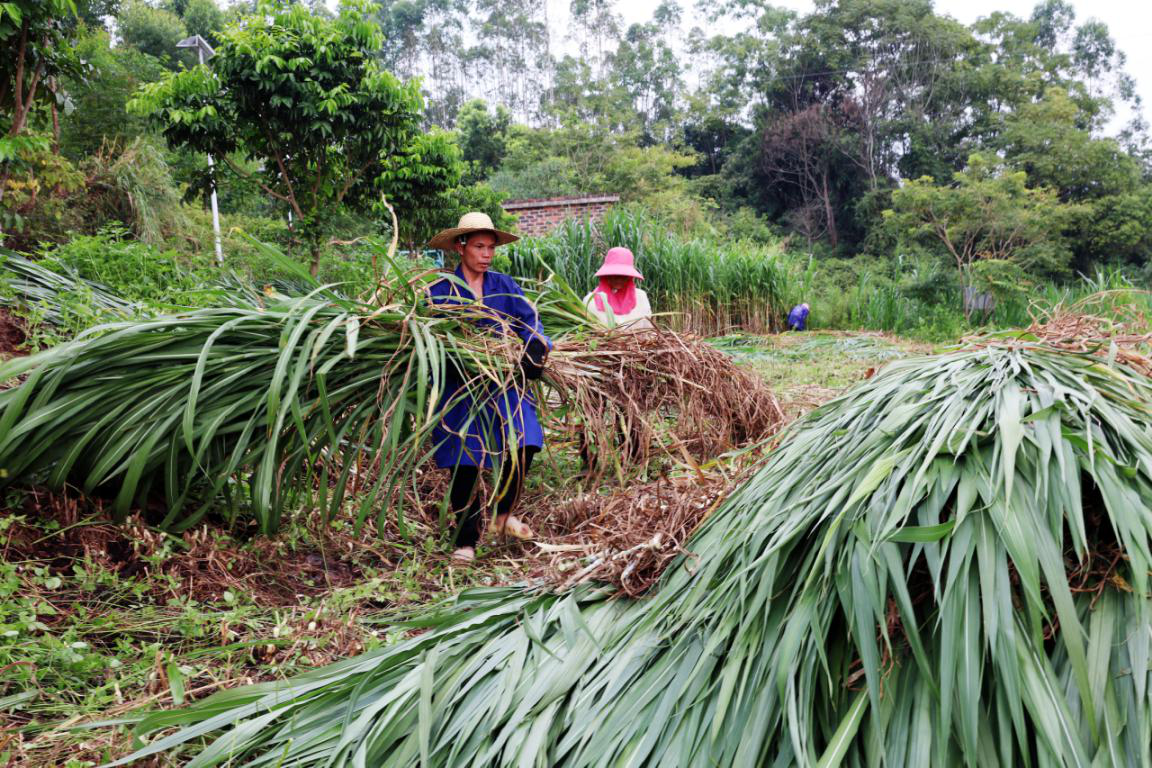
<point x="510" y="58"/>
<point x="595" y="28"/>
<point x="646" y="68"/>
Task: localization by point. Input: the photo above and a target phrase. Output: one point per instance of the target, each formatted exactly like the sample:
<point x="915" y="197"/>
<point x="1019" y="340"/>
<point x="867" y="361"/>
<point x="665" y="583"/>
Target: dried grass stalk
<point x="616" y="388"/>
<point x="629" y="537"/>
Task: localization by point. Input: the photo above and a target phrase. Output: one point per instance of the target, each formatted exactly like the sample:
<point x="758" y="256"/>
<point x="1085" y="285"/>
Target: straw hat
<point x="619" y="262"/>
<point x="474" y="221"/>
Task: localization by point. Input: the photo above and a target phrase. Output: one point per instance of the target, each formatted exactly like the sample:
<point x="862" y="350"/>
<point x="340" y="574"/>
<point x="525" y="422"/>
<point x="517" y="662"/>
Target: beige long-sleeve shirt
<point x="638" y="318"/>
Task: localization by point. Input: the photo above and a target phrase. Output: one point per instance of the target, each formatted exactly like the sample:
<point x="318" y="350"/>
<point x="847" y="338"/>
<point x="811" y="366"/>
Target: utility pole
<point x="205" y="52"/>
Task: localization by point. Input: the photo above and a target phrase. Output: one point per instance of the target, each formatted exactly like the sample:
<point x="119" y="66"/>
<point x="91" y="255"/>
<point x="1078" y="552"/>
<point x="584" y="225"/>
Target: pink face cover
<point x="618" y="262"/>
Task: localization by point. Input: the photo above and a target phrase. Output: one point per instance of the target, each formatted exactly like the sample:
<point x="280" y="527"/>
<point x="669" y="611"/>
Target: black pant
<point x="469" y="505"/>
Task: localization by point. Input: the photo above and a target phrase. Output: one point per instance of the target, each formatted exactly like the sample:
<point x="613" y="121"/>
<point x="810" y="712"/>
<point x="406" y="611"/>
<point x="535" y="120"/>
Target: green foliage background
<point x="795" y="133"/>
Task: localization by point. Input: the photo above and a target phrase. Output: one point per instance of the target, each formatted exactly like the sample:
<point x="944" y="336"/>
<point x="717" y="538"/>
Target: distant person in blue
<point x="472" y="433"/>
<point x="798" y="317"/>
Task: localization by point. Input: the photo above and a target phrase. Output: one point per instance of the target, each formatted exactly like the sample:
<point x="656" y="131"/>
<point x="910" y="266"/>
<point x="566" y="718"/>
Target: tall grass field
<point x="699" y="285"/>
<point x="712" y="286"/>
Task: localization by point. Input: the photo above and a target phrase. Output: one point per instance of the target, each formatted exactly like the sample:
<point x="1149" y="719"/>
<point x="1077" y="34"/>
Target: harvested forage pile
<point x="277" y="403"/>
<point x="644" y="377"/>
<point x="948" y="565"/>
<point x="247" y="407"/>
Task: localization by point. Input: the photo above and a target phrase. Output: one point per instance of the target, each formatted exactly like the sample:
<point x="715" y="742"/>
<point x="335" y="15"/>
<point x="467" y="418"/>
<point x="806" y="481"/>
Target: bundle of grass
<point x="247" y="409"/>
<point x="272" y="402"/>
<point x="42" y="292"/>
<point x="947" y="565"/>
<point x="645" y="377"/>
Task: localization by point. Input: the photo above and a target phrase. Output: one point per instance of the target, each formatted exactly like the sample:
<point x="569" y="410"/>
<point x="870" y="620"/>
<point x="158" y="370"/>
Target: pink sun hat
<point x="619" y="262"/>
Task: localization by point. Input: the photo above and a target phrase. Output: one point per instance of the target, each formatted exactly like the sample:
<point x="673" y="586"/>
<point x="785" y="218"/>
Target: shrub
<point x="131" y="269"/>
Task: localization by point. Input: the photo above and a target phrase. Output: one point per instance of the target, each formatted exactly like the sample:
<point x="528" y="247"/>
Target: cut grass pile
<point x="269" y="402"/>
<point x="807" y="369"/>
<point x="653" y="379"/>
<point x="947" y="565"/>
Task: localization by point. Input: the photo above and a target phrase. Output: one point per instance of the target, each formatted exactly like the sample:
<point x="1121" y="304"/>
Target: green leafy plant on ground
<point x="948" y="564"/>
<point x="128" y="268"/>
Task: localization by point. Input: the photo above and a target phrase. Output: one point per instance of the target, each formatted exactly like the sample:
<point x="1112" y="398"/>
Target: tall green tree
<point x="988" y="220"/>
<point x="204" y="18"/>
<point x="423" y="186"/>
<point x="152" y="30"/>
<point x="93" y="12"/>
<point x="35" y="36"/>
<point x="595" y="28"/>
<point x="101" y="97"/>
<point x="303" y="95"/>
<point x="428" y="39"/>
<point x="1049" y="50"/>
<point x="402" y="27"/>
<point x="645" y="67"/>
<point x="483" y="138"/>
<point x="1050" y="141"/>
<point x="418" y="183"/>
<point x="510" y="55"/>
<point x="36" y="39"/>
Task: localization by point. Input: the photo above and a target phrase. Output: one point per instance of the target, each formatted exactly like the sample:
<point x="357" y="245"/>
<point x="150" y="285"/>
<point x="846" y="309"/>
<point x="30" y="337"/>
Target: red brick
<point x="541" y="216"/>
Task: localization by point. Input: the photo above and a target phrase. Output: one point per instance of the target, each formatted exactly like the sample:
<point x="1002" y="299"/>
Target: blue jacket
<point x="474" y="433"/>
<point x="798" y="318"/>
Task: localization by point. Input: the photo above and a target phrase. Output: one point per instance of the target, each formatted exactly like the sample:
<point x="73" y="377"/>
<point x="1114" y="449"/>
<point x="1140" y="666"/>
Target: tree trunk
<point x="23" y="102"/>
<point x="55" y="119"/>
<point x="315" y="249"/>
<point x="829" y="214"/>
<point x="966" y="285"/>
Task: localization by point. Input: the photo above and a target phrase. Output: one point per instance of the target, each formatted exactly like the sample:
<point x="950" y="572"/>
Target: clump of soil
<point x="12" y="335"/>
<point x="59" y="531"/>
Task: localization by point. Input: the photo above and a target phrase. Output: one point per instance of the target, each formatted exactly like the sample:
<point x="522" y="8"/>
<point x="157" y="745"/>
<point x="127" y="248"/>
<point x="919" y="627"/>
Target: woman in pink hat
<point x="617" y="302"/>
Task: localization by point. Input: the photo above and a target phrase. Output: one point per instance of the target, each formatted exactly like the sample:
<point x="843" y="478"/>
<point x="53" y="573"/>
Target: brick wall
<point x="539" y="217"/>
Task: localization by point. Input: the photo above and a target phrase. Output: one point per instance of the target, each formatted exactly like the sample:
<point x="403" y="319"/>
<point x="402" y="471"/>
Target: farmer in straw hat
<point x="617" y="302"/>
<point x="500" y="424"/>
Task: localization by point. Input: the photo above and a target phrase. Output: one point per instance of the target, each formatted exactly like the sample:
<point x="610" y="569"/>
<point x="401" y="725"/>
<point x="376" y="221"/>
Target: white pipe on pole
<point x="215" y="208"/>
